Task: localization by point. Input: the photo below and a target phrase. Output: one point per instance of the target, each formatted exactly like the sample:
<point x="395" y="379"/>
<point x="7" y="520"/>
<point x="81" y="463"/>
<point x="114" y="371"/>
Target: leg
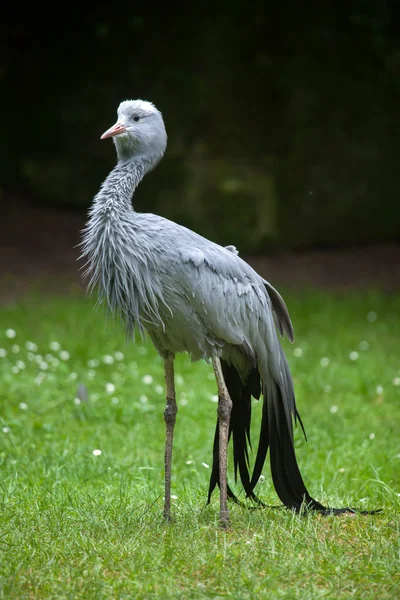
<point x="169" y="417"/>
<point x="224" y="415"/>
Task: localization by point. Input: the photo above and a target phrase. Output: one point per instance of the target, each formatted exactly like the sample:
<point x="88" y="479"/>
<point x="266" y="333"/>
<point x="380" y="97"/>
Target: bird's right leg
<point x="224" y="416"/>
<point x="169" y="417"/>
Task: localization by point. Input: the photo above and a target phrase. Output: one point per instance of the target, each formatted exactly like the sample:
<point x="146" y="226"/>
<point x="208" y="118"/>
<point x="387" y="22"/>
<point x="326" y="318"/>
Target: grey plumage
<point x="192" y="295"/>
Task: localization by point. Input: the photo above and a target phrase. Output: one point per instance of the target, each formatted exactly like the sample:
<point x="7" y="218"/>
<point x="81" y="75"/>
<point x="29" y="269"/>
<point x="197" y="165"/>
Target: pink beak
<point x="114" y="130"/>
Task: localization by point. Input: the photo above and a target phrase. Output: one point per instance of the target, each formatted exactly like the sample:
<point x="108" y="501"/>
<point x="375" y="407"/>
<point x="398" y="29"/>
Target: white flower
<point x="3" y="353"/>
<point x="143" y="399"/>
<point x="372" y="316"/>
<point x="119" y="356"/>
<point x="97" y="452"/>
<point x="110" y="388"/>
<point x="214" y="398"/>
<point x="11" y="333"/>
<point x="5" y="429"/>
<point x="93" y="363"/>
<point x="183" y="401"/>
<point x="20" y="364"/>
<point x="341" y="470"/>
<point x="364" y="345"/>
<point x="396" y="381"/>
<point x="333" y="409"/>
<point x="379" y="390"/>
<point x="324" y="361"/>
<point x="77" y="401"/>
<point x="108" y="359"/>
<point x="179" y="380"/>
<point x="15" y="348"/>
<point x="114" y="400"/>
<point x="55" y="362"/>
<point x="30" y="356"/>
<point x="64" y="355"/>
<point x="174" y="497"/>
<point x="371" y="436"/>
<point x="14" y="370"/>
<point x="91" y="374"/>
<point x="353" y="355"/>
<point x="147" y="379"/>
<point x="23" y="405"/>
<point x="55" y="346"/>
<point x="298" y="352"/>
<point x="43" y="365"/>
<point x="159" y="389"/>
<point x="189" y="462"/>
<point x="205" y="465"/>
<point x="73" y="376"/>
<point x="31" y="346"/>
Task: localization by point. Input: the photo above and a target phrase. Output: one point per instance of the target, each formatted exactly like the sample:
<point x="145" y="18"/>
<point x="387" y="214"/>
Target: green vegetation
<point x="76" y="523"/>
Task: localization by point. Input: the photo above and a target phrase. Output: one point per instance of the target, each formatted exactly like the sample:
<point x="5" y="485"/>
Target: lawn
<point x="82" y="475"/>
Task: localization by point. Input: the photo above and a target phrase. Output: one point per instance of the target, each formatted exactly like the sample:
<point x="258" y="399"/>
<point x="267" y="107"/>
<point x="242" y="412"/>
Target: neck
<point x="115" y="194"/>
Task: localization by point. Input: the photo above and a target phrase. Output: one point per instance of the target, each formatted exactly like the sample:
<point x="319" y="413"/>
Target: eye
<point x="136" y="118"/>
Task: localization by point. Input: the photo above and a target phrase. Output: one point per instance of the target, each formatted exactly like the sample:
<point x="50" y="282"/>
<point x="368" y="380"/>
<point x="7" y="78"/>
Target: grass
<point x="75" y="523"/>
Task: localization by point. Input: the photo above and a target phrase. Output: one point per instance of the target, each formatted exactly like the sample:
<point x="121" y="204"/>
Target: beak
<point x="114" y="130"/>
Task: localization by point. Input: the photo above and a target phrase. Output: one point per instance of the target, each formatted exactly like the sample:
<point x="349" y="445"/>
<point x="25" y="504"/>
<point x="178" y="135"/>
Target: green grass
<point x="76" y="525"/>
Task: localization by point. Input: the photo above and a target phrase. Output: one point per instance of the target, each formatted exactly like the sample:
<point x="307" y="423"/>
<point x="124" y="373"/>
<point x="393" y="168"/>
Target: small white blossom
<point x="372" y="316"/>
<point x="30" y="356"/>
<point x="183" y="401"/>
<point x="49" y="357"/>
<point x="119" y="356"/>
<point x="114" y="400"/>
<point x="20" y="364"/>
<point x="97" y="452"/>
<point x="5" y="429"/>
<point x="364" y="345"/>
<point x="31" y="346"/>
<point x="14" y="370"/>
<point x="3" y="353"/>
<point x="333" y="409"/>
<point x="214" y="398"/>
<point x="205" y="465"/>
<point x="11" y="333"/>
<point x="55" y="362"/>
<point x="91" y="374"/>
<point x="73" y="375"/>
<point x="396" y="381"/>
<point x="371" y="436"/>
<point x="341" y="470"/>
<point x="179" y="380"/>
<point x="147" y="379"/>
<point x="93" y="363"/>
<point x="143" y="399"/>
<point x="108" y="359"/>
<point x="159" y="389"/>
<point x="64" y="355"/>
<point x="23" y="405"/>
<point x="55" y="346"/>
<point x="379" y="390"/>
<point x="353" y="355"/>
<point x="77" y="401"/>
<point x="15" y="348"/>
<point x="298" y="352"/>
<point x="110" y="388"/>
<point x="189" y="462"/>
<point x="324" y="361"/>
<point x="174" y="497"/>
<point x="43" y="366"/>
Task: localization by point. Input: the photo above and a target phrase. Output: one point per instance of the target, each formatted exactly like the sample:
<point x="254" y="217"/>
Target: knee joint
<point x="170" y="411"/>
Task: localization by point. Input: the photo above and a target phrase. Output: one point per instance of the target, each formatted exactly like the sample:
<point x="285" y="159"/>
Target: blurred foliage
<point x="283" y="120"/>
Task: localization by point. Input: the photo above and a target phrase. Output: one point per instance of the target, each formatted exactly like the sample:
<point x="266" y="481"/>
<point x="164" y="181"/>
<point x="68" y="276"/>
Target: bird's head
<point x="139" y="130"/>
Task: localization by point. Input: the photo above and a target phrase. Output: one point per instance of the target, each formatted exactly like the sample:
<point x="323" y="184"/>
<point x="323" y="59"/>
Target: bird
<point x="191" y="295"/>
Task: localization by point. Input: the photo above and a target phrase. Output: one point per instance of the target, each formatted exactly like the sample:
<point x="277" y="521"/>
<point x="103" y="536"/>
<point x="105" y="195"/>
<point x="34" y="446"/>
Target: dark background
<point x="283" y="121"/>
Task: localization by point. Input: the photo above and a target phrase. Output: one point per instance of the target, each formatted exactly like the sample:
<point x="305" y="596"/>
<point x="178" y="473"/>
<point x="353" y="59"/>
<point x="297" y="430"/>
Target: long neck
<point x="115" y="195"/>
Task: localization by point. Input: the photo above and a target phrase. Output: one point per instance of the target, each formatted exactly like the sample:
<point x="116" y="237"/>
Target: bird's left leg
<point x="169" y="417"/>
<point x="224" y="416"/>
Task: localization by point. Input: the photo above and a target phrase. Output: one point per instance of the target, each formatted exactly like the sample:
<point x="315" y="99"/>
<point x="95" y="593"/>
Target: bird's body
<point x="192" y="295"/>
